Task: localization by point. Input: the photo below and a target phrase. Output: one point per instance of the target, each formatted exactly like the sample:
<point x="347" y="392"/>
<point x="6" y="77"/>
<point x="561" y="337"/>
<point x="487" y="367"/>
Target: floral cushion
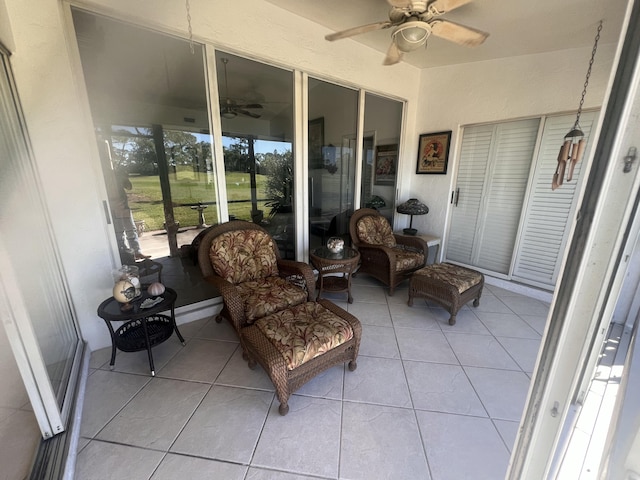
<point x="407" y="259"/>
<point x="461" y="278"/>
<point x="243" y="255"/>
<point x="304" y="332"/>
<point x="375" y="230"/>
<point x="265" y="296"/>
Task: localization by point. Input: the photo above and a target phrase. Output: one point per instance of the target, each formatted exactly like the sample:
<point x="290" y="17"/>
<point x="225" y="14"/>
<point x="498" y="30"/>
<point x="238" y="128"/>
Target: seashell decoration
<point x="335" y="244"/>
<point x="155" y="289"/>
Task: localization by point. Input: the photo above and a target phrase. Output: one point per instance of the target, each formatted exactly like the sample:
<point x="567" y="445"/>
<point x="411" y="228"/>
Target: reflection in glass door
<point x="333" y="112"/>
<point x="381" y="142"/>
<point x="148" y="98"/>
<point x="256" y="106"/>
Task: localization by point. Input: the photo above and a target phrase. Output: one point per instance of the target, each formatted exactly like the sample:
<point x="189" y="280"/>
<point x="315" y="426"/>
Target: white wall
<point x="494" y="91"/>
<point x="51" y="89"/>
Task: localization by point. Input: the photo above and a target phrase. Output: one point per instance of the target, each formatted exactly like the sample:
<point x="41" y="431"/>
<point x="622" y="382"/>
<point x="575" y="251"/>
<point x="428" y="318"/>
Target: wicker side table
<point x="143" y="328"/>
<point x="328" y="264"/>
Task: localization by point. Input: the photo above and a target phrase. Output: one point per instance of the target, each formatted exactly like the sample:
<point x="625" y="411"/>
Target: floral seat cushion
<point x="408" y="259"/>
<point x="243" y="255"/>
<point x="267" y="295"/>
<point x="303" y="332"/>
<point x="375" y="230"/>
<point x="459" y="277"/>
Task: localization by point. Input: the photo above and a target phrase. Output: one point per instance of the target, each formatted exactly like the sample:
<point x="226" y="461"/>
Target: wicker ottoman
<point x="296" y="344"/>
<point x="449" y="285"/>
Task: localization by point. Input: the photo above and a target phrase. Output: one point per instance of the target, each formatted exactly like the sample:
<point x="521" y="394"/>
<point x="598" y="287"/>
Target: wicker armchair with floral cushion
<point x="389" y="258"/>
<point x="268" y="301"/>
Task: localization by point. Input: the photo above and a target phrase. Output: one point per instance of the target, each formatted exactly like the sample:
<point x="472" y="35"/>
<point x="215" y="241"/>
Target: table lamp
<point x="412" y="207"/>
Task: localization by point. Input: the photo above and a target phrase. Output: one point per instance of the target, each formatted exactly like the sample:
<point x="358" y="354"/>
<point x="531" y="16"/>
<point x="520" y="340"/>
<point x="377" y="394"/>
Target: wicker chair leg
<point x="452" y="319"/>
<point x="283" y="408"/>
<point x="353" y="365"/>
<point x="218" y="318"/>
<point x="250" y="361"/>
<point x="476" y="302"/>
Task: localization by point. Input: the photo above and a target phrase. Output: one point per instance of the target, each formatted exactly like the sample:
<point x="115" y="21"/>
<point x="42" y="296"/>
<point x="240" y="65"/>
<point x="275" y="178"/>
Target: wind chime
<point x="572" y="149"/>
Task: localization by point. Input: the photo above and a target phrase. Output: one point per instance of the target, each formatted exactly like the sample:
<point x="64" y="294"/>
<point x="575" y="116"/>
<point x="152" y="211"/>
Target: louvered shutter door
<point x="492" y="180"/>
<point x="514" y="148"/>
<point x="545" y="226"/>
<point x="474" y="158"/>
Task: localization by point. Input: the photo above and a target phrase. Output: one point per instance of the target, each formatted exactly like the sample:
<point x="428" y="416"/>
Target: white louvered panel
<point x="511" y="162"/>
<point x="474" y="156"/>
<point x="549" y="212"/>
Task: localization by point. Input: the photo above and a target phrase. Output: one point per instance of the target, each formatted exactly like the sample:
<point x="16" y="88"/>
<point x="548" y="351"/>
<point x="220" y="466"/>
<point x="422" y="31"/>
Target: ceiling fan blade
<point x="460" y="34"/>
<point x="248" y="113"/>
<point x="399" y="3"/>
<point x="394" y="55"/>
<point x="350" y="32"/>
<point x="448" y="5"/>
<point x="249" y="105"/>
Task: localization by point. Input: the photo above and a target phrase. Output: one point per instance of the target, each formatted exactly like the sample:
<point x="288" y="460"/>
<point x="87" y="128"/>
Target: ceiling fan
<point x="414" y="22"/>
<point x="228" y="107"/>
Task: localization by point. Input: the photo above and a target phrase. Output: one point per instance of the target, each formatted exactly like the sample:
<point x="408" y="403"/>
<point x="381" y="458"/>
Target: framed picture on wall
<point x="433" y="152"/>
<point x="385" y="165"/>
<point x="316" y="142"/>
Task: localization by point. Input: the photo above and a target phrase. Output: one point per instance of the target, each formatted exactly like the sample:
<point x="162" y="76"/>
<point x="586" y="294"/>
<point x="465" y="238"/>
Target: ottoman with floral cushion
<point x="268" y="301"/>
<point x="296" y="344"/>
<point x="449" y="285"/>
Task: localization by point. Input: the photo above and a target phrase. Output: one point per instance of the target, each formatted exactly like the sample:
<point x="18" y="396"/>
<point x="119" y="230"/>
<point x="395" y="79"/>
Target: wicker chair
<point x="389" y="258"/>
<point x="267" y="300"/>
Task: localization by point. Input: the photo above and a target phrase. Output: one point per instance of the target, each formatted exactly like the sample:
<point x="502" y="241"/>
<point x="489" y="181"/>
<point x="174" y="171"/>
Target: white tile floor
<point x="427" y="401"/>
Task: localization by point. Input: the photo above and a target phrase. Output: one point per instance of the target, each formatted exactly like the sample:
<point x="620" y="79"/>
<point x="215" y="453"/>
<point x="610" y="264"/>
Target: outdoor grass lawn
<point x="188" y="187"/>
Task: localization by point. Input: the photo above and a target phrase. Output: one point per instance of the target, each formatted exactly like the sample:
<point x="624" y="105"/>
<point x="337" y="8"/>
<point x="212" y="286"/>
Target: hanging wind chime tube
<point x="574" y="144"/>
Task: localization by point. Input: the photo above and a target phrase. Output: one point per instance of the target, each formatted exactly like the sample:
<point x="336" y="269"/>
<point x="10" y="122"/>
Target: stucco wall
<point x="491" y="91"/>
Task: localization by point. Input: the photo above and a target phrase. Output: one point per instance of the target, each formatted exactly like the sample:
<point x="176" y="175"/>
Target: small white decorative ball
<point x="155" y="289"/>
<point x="124" y="291"/>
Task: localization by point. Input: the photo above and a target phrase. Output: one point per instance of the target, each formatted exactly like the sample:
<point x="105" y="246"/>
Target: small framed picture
<point x="433" y="152"/>
<point x="386" y="160"/>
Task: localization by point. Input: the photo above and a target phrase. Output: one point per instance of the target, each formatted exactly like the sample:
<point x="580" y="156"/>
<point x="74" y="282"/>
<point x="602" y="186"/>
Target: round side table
<point x="328" y="264"/>
<point x="144" y="327"/>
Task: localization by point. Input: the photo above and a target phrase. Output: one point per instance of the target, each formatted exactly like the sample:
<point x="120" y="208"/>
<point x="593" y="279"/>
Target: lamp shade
<point x="413" y="206"/>
<point x="375" y="202"/>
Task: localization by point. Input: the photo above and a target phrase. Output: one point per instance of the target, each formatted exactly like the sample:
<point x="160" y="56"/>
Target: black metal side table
<point x="144" y="327"/>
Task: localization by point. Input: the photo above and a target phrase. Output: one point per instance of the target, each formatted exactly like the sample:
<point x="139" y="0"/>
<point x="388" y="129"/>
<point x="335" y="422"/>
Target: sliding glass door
<point x="333" y="114"/>
<point x="35" y="305"/>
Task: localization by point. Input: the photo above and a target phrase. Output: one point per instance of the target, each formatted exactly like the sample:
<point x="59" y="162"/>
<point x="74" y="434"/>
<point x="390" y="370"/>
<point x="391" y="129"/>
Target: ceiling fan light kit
<point x="414" y="22"/>
<point x="411" y="35"/>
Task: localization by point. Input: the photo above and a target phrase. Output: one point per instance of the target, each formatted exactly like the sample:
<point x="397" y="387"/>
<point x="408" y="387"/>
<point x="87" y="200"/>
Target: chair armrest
<point x="232" y="301"/>
<point x="299" y="273"/>
<point x="413" y="243"/>
<point x="378" y="254"/>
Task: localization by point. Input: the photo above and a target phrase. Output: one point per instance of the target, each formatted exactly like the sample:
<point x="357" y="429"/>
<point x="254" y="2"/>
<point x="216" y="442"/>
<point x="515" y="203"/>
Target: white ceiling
<point x="516" y="27"/>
